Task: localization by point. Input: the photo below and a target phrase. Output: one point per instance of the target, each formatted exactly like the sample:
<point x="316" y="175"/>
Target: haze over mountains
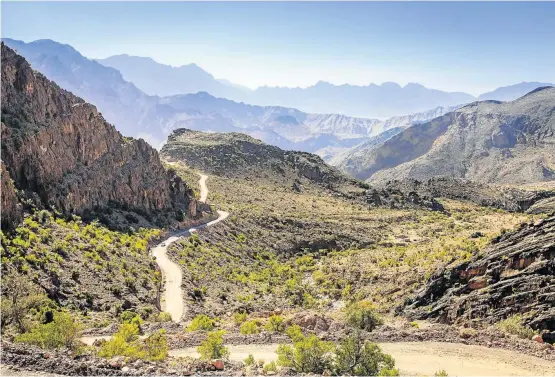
<point x="332" y="136"/>
<point x="370" y="101"/>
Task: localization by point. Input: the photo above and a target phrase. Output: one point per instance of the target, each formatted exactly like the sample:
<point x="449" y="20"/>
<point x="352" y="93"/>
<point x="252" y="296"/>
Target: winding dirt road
<point x="173" y="295"/>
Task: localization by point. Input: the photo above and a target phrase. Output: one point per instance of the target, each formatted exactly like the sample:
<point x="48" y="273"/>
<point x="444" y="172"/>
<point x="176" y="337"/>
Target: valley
<point x="212" y="231"/>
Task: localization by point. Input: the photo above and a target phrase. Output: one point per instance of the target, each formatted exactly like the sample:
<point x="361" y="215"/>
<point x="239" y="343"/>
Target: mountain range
<point x="153" y="118"/>
<point x="371" y="101"/>
<point x="488" y="141"/>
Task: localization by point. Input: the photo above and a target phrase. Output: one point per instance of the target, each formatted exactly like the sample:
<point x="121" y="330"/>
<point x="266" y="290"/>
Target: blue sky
<point x="472" y="46"/>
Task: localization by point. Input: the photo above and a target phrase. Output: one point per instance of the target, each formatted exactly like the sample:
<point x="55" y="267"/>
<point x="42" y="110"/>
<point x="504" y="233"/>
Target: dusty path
<point x="173" y="295"/>
<point x="426" y="358"/>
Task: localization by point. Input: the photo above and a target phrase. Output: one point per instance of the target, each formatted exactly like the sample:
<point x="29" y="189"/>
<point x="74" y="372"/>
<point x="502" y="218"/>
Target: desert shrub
<point x="239" y="318"/>
<point x="294" y="332"/>
<point x="275" y="323"/>
<point x="130" y="317"/>
<point x="164" y="317"/>
<point x="201" y="322"/>
<point x="356" y="357"/>
<point x="212" y="347"/>
<point x="363" y="316"/>
<point x="249" y="361"/>
<point x="270" y="367"/>
<point x="441" y="373"/>
<point x="307" y="354"/>
<point x="249" y="327"/>
<point x="156" y="346"/>
<point x="414" y="324"/>
<point x="124" y="343"/>
<point x="515" y="325"/>
<point x="63" y="331"/>
<point x="467" y="333"/>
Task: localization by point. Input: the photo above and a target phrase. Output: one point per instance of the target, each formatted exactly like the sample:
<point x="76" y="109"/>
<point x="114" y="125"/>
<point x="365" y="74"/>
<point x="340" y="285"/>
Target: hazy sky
<point x="472" y="47"/>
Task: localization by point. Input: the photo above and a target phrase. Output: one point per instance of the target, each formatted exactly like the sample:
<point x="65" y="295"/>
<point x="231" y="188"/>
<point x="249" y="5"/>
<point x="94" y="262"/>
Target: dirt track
<point x="426" y="358"/>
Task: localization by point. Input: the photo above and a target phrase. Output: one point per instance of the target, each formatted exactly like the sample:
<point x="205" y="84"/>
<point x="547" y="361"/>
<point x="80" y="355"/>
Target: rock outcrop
<point x="509" y="199"/>
<point x="60" y="153"/>
<point x="515" y="274"/>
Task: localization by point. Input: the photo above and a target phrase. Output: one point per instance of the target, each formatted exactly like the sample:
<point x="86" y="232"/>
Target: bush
<point x="363" y="316"/>
<point x="63" y="331"/>
<point x="239" y="318"/>
<point x="515" y="325"/>
<point x="131" y="317"/>
<point x="126" y="343"/>
<point x="164" y="317"/>
<point x="270" y="367"/>
<point x="275" y="323"/>
<point x="212" y="347"/>
<point x="441" y="373"/>
<point x="467" y="333"/>
<point x="307" y="354"/>
<point x="249" y="361"/>
<point x="249" y="327"/>
<point x="156" y="346"/>
<point x="362" y="358"/>
<point x="201" y="322"/>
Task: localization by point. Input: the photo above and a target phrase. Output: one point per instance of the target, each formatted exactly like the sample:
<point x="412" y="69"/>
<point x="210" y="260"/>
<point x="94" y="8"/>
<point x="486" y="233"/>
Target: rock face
<point x="516" y="274"/>
<point x="490" y="142"/>
<point x="509" y="199"/>
<point x="60" y="152"/>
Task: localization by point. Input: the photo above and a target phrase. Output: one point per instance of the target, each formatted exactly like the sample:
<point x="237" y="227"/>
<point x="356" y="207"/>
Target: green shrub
<point x="270" y="367"/>
<point x="126" y="343"/>
<point x="63" y="331"/>
<point x="201" y="322"/>
<point x="363" y="316"/>
<point x="249" y="327"/>
<point x="356" y="357"/>
<point x="294" y="332"/>
<point x="164" y="317"/>
<point x="441" y="373"/>
<point x="515" y="325"/>
<point x="128" y="316"/>
<point x="156" y="346"/>
<point x="275" y="323"/>
<point x="249" y="361"/>
<point x="212" y="347"/>
<point x="307" y="354"/>
<point x="239" y="318"/>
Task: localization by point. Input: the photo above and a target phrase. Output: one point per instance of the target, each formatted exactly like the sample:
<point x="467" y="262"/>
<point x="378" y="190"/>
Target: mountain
<point x="371" y="101"/>
<point x="153" y="118"/>
<point x="121" y="102"/>
<point x="489" y="142"/>
<point x="58" y="152"/>
<point x="512" y="92"/>
<point x="162" y="80"/>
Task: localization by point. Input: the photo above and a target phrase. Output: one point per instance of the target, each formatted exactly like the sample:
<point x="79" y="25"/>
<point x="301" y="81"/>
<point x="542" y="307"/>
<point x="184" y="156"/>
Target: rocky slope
<point x="59" y="152"/>
<point x="491" y="142"/>
<point x="515" y="274"/>
<point x="507" y="198"/>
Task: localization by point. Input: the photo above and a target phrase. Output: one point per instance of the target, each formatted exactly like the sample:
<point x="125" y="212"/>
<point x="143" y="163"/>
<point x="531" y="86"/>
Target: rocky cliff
<point x="515" y="274"/>
<point x="59" y="152"/>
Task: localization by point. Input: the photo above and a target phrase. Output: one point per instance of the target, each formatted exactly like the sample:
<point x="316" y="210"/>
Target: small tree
<point x="212" y="347"/>
<point x="362" y="358"/>
<point x="363" y="316"/>
<point x="63" y="331"/>
<point x="19" y="295"/>
<point x="307" y="354"/>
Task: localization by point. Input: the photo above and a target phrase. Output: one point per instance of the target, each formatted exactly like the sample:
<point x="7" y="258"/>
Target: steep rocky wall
<point x="516" y="274"/>
<point x="60" y="148"/>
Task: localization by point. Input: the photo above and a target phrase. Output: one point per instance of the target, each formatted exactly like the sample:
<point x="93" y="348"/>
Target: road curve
<point x="173" y="295"/>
